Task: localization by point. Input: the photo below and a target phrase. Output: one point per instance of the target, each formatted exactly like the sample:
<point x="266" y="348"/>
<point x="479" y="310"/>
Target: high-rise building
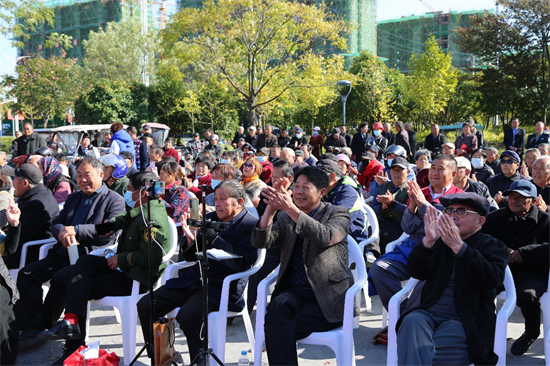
<point x="77" y="18"/>
<point x="399" y="39"/>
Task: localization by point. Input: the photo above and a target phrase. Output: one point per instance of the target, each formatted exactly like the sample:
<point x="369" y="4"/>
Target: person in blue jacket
<point x="121" y="140"/>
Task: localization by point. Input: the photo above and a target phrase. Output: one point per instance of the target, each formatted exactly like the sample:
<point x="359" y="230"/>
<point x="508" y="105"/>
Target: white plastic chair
<point x="127" y="305"/>
<point x="390" y="247"/>
<point x="373" y="223"/>
<point x="43" y="242"/>
<point x="340" y="340"/>
<point x="217" y="320"/>
<point x="500" y="329"/>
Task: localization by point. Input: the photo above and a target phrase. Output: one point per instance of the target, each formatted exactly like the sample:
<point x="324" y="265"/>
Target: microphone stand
<point x="205" y="352"/>
<point x="151" y="344"/>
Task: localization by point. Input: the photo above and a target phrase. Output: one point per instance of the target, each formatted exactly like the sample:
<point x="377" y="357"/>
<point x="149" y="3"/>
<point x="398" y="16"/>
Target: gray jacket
<point x="325" y="253"/>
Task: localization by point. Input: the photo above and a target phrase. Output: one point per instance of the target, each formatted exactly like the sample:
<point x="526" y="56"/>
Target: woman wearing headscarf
<point x="54" y="179"/>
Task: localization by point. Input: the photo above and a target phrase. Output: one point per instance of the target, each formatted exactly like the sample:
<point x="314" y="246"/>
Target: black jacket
<point x="433" y="143"/>
<point x="483" y="173"/>
<point x="283" y="141"/>
<point x="296" y="142"/>
<point x="529" y="236"/>
<point x="402" y="139"/>
<point x="532" y="140"/>
<point x="252" y="140"/>
<point x="479" y="271"/>
<point x="390" y="136"/>
<point x="545" y="193"/>
<point x="501" y="183"/>
<point x="331" y="141"/>
<point x="495" y="165"/>
<point x="347" y="138"/>
<point x="29" y="146"/>
<point x="412" y="140"/>
<point x="235" y="240"/>
<point x="237" y="137"/>
<point x="38" y="210"/>
<point x="482" y="190"/>
<point x="358" y="144"/>
<point x="519" y="142"/>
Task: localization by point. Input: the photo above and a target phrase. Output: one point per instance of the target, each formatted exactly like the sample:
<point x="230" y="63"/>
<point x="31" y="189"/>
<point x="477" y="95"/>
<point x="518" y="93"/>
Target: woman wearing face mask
<point x="220" y="173"/>
<point x="267" y="166"/>
<point x="317" y="141"/>
<point x="480" y="169"/>
<point x="176" y="198"/>
<point x="252" y="168"/>
<point x="378" y="139"/>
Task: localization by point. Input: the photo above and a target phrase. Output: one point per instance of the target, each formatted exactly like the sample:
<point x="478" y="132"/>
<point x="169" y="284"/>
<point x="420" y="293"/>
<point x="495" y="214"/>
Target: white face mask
<point x="477" y="163"/>
<point x="261" y="158"/>
<point x="224" y="161"/>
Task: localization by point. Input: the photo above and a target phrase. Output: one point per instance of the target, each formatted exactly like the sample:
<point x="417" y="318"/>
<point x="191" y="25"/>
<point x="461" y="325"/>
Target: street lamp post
<point x="342" y="84"/>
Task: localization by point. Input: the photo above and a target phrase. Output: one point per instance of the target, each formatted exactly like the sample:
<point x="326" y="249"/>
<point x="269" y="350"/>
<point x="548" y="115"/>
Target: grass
<point x="5" y="144"/>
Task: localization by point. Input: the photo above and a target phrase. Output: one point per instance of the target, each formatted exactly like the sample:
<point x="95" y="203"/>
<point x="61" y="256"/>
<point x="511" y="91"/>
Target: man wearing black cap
<point x="129" y="157"/>
<point x="38" y="209"/>
<point x="454" y="257"/>
<point x="524" y="229"/>
<point x="335" y="140"/>
<point x="509" y="163"/>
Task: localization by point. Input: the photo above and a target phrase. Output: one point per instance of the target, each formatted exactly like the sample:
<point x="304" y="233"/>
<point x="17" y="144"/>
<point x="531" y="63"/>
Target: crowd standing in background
<point x="468" y="210"/>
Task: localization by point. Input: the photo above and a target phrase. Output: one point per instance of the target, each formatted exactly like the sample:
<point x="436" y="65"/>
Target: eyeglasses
<point x="250" y="166"/>
<point x="508" y="161"/>
<point x="459" y="212"/>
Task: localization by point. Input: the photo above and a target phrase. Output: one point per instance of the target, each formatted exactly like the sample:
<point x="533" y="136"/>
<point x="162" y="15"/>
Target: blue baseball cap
<point x="523" y="187"/>
<point x="511" y="154"/>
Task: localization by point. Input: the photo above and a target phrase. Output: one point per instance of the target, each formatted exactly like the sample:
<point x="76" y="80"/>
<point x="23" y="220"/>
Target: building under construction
<point x="77" y="18"/>
<point x="399" y="39"/>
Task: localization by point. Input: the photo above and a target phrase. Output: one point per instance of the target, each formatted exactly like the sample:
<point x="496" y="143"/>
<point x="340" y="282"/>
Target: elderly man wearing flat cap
<point x="509" y="163"/>
<point x="454" y="257"/>
<point x="525" y="231"/>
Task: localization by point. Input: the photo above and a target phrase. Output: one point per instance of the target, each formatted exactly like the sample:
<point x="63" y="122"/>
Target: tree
<point x="116" y="53"/>
<point x="517" y="43"/>
<point x="464" y="103"/>
<point x="372" y="96"/>
<point x="49" y="86"/>
<point x="253" y="43"/>
<point x="108" y="101"/>
<point x="431" y="81"/>
<point x="19" y="18"/>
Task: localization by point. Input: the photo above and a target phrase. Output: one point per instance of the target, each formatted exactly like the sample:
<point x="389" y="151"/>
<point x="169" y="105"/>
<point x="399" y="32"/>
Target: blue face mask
<point x="261" y="158"/>
<point x="298" y="135"/>
<point x="315" y="133"/>
<point x="214" y="183"/>
<point x="376" y="133"/>
<point x="224" y="161"/>
<point x="389" y="161"/>
<point x="128" y="199"/>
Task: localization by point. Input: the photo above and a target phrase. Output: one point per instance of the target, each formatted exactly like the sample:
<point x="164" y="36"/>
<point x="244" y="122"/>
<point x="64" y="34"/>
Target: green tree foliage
<point x="259" y="46"/>
<point x="513" y="50"/>
<point x="108" y="101"/>
<point x="464" y="103"/>
<point x="372" y="97"/>
<point x="116" y="53"/>
<point x="431" y="81"/>
<point x="20" y="18"/>
<point x="48" y="87"/>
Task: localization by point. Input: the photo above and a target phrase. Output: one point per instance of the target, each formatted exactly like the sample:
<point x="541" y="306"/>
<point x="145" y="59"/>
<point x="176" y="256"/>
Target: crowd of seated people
<point x="468" y="212"/>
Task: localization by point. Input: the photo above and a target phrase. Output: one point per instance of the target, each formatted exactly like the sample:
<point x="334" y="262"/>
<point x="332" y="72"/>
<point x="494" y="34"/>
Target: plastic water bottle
<point x="73" y="251"/>
<point x="108" y="254"/>
<point x="243" y="361"/>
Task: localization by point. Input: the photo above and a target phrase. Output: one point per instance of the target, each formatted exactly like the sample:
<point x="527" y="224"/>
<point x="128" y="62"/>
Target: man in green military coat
<point x="95" y="277"/>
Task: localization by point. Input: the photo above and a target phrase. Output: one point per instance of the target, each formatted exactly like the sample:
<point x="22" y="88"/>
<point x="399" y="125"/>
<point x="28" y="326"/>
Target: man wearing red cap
<point x="378" y="139"/>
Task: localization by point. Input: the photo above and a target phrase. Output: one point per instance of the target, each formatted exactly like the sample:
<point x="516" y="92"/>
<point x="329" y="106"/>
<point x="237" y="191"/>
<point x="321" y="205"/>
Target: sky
<point x="387" y="9"/>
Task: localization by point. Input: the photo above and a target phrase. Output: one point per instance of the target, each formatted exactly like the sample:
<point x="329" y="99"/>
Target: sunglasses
<point x="459" y="212"/>
<point x="250" y="166"/>
<point x="508" y="161"/>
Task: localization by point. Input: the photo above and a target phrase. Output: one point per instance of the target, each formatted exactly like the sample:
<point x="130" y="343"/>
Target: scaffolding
<point x="77" y="18"/>
<point x="361" y="18"/>
<point x="399" y="39"/>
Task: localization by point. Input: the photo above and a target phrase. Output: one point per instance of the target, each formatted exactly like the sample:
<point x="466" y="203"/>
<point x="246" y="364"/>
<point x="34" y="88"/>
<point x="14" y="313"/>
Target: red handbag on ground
<point x="104" y="359"/>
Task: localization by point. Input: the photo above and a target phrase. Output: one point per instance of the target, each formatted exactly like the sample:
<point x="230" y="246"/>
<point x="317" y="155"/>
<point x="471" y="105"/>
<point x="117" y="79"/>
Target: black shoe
<point x="29" y="339"/>
<point x="62" y="330"/>
<point x="522" y="344"/>
<point x="64" y="356"/>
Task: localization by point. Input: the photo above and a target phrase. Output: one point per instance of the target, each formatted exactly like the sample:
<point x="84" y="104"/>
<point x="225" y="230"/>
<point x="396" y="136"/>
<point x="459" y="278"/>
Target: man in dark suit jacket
<point x="435" y="140"/>
<point x="186" y="290"/>
<point x="29" y="142"/>
<point x="538" y="137"/>
<point x="412" y="137"/>
<point x="359" y="141"/>
<point x="514" y="138"/>
<point x="402" y="137"/>
<point x="93" y="204"/>
<point x="306" y="299"/>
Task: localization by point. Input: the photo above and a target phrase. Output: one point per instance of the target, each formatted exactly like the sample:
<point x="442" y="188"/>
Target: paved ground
<point x="105" y="329"/>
